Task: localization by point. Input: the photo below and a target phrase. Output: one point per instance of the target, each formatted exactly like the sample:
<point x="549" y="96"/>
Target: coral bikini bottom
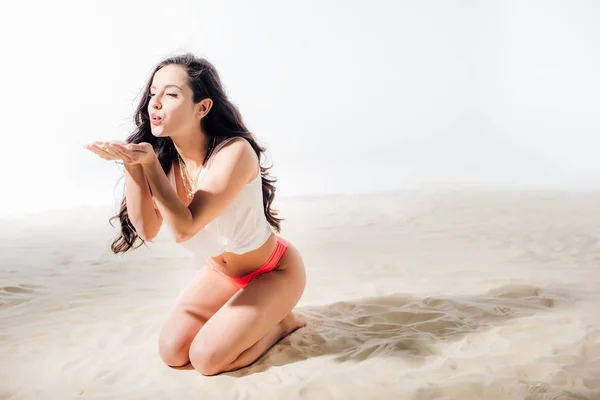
<point x="270" y="265"/>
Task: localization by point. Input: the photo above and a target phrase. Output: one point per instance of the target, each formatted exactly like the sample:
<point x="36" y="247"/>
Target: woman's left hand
<point x="141" y="153"/>
<point x="129" y="153"/>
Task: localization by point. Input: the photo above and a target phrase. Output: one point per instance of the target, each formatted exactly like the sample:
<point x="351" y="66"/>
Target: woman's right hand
<point x="107" y="152"/>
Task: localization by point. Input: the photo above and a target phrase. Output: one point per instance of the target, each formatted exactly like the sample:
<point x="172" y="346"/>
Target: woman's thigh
<point x="250" y="313"/>
<point x="199" y="301"/>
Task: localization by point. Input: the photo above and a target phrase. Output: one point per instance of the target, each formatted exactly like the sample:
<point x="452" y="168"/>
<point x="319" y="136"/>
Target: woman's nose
<point x="156" y="105"/>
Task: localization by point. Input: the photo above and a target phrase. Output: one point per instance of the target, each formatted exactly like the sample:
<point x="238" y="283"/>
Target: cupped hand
<point x="129" y="153"/>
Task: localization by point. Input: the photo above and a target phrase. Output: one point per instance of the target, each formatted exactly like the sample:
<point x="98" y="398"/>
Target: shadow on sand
<point x="401" y="325"/>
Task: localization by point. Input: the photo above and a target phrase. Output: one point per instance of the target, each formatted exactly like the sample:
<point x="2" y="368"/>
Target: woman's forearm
<point x="140" y="206"/>
<point x="176" y="214"/>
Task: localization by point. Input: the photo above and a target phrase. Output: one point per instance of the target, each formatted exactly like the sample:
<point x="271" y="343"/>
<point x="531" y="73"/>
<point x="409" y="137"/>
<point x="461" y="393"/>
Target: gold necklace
<point x="186" y="178"/>
<point x="185" y="175"/>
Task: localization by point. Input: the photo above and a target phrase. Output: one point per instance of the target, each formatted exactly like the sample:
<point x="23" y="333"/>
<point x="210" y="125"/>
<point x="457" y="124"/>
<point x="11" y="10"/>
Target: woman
<point x="192" y="164"/>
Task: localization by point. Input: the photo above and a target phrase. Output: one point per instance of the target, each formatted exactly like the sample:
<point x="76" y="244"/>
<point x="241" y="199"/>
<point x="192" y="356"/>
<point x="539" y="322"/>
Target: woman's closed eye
<point x="168" y="94"/>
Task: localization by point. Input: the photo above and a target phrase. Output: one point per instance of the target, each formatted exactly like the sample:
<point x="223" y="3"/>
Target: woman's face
<point x="171" y="107"/>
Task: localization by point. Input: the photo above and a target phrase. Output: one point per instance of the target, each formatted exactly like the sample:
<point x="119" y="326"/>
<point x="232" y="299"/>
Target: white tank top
<point x="240" y="228"/>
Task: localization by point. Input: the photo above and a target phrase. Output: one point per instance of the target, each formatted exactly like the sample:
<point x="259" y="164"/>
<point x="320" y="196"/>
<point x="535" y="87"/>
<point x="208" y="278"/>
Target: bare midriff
<point x="238" y="265"/>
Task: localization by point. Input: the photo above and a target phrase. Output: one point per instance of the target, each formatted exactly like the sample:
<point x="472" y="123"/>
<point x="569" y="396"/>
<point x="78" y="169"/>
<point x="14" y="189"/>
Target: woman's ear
<point x="203" y="108"/>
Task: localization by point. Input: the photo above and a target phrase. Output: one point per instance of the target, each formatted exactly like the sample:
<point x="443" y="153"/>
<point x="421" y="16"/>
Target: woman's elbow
<point x="147" y="237"/>
<point x="145" y="232"/>
<point x="182" y="237"/>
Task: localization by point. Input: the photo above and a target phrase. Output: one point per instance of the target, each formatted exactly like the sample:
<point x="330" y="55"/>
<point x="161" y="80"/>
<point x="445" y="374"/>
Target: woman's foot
<point x="291" y="323"/>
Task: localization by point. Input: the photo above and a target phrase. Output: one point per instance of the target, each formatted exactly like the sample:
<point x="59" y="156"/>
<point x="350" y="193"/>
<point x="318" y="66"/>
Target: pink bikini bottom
<point x="270" y="265"/>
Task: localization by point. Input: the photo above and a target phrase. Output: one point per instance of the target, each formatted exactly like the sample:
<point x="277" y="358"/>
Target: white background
<point x="348" y="96"/>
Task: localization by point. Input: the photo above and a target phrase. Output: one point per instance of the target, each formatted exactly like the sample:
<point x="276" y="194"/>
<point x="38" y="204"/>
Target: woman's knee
<point x="206" y="359"/>
<point x="174" y="348"/>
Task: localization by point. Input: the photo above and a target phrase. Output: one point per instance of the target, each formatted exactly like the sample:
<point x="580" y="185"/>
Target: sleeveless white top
<point x="240" y="228"/>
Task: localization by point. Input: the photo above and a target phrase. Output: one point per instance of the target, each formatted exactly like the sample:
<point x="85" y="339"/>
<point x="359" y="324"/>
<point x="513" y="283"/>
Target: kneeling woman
<point x="192" y="165"/>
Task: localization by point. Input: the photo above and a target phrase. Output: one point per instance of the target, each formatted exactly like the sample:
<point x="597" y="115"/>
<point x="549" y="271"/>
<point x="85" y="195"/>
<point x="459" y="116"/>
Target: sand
<point x="454" y="294"/>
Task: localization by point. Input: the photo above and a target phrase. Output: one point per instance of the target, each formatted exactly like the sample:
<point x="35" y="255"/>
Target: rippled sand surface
<point x="430" y="295"/>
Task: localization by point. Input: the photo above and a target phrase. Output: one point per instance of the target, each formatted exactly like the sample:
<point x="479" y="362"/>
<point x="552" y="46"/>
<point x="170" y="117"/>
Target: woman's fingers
<point x="115" y="149"/>
<point x="130" y="153"/>
<point x="126" y="149"/>
<point x="140" y="147"/>
<point x="98" y="148"/>
<point x="115" y="154"/>
<point x="104" y="150"/>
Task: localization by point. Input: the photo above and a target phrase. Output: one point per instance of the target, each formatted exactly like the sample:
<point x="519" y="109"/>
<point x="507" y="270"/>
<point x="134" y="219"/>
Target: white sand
<point x="451" y="295"/>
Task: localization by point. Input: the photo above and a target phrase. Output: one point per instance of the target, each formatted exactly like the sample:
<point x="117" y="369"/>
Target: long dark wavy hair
<point x="223" y="121"/>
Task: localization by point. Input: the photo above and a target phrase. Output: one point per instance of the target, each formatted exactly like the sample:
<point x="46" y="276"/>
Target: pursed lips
<point x="155" y="118"/>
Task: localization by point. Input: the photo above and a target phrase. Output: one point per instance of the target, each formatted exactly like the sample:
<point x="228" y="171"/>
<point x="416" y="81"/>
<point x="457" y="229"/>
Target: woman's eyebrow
<point x="154" y="87"/>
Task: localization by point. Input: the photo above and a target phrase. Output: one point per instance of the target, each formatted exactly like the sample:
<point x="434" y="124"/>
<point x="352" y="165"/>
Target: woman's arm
<point x="175" y="213"/>
<point x="140" y="206"/>
<point x="232" y="167"/>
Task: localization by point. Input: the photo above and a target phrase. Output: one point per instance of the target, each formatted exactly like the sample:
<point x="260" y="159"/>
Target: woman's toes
<point x="300" y="320"/>
<point x="292" y="322"/>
